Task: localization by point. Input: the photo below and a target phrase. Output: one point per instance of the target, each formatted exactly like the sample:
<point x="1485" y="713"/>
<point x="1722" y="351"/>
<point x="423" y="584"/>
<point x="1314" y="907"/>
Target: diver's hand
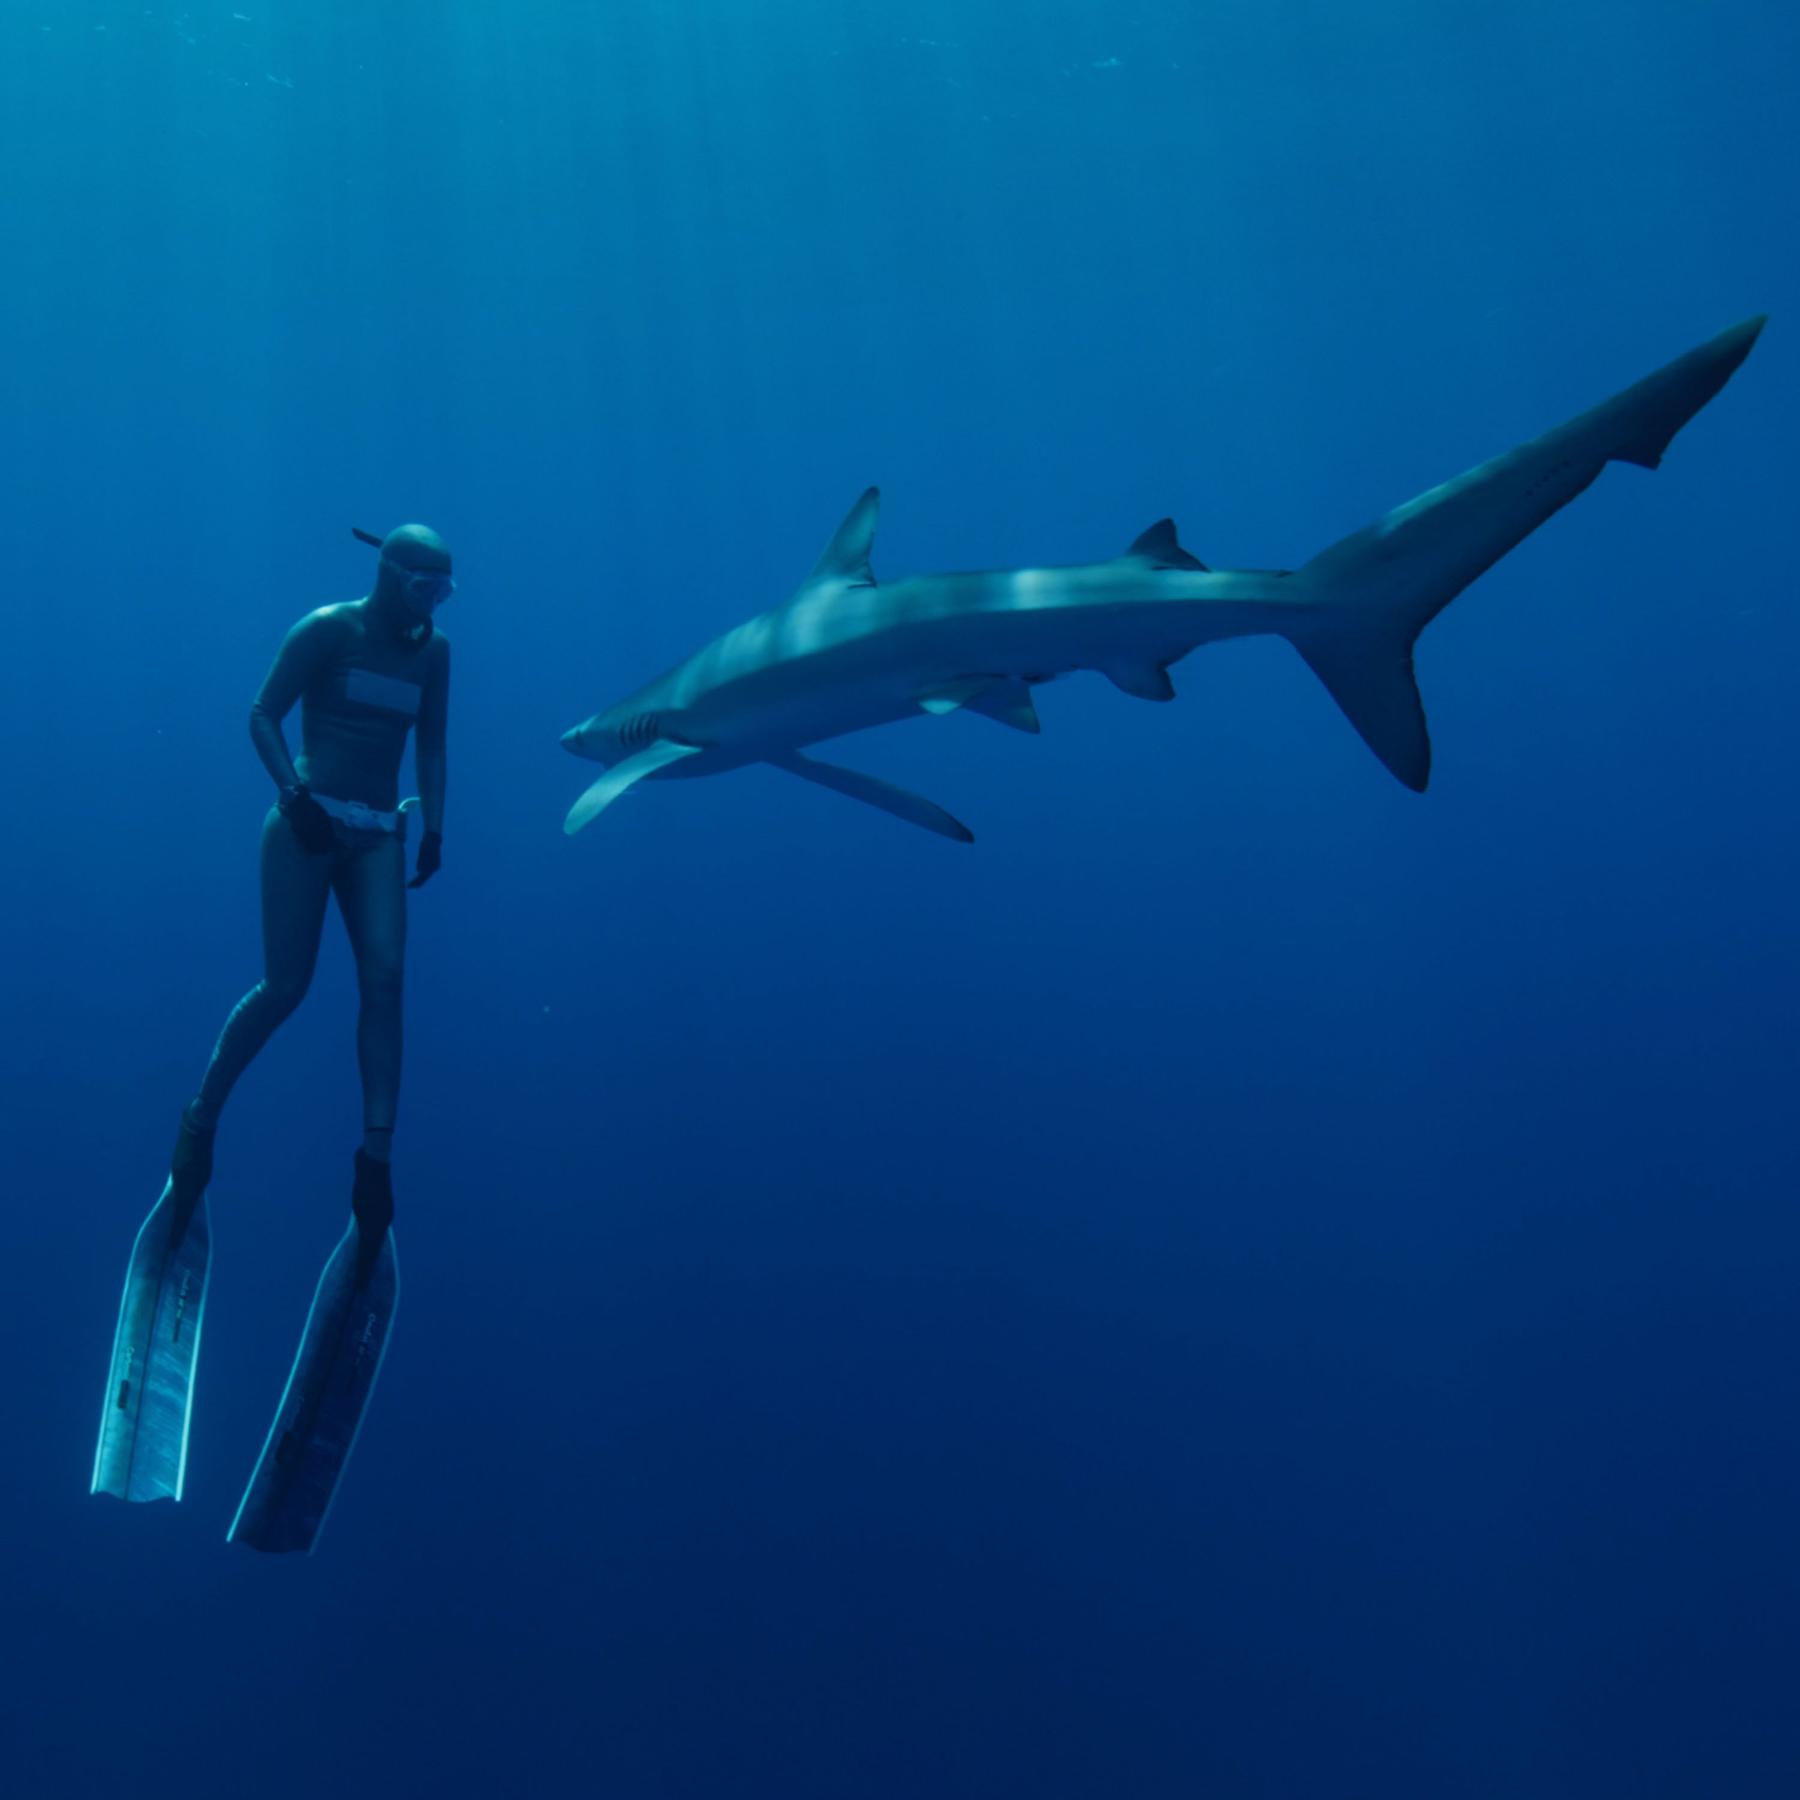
<point x="431" y="858"/>
<point x="311" y="822"/>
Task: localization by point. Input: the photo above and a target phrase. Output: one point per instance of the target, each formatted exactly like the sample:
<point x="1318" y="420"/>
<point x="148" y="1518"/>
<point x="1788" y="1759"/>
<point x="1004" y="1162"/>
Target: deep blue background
<point x="1246" y="1282"/>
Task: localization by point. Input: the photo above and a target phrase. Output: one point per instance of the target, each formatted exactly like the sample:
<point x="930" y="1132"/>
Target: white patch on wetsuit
<point x="383" y="692"/>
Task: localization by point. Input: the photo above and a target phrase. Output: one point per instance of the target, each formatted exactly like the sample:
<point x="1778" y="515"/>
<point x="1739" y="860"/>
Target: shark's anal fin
<point x="883" y="794"/>
<point x="1002" y="697"/>
<point x="846" y="557"/>
<point x="621" y="776"/>
<point x="1143" y="681"/>
<point x="1159" y="545"/>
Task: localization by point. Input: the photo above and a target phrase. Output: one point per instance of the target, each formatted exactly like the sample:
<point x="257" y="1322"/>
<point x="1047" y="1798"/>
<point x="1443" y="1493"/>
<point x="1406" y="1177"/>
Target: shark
<point x="845" y="652"/>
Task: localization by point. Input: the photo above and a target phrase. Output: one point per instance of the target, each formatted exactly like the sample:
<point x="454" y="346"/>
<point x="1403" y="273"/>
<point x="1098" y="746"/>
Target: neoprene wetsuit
<point x="362" y="684"/>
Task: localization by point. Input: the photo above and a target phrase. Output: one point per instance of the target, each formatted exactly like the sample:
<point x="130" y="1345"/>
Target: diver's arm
<point x="303" y="655"/>
<point x="430" y="761"/>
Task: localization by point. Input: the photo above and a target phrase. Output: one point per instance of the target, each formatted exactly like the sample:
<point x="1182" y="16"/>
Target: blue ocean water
<point x="1246" y="1282"/>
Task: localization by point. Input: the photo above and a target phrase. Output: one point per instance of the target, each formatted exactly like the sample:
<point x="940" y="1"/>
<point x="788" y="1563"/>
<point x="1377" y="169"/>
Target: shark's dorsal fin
<point x="846" y="557"/>
<point x="1160" y="546"/>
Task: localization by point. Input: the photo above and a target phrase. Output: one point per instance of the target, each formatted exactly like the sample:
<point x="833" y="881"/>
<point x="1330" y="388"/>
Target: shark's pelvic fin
<point x="1009" y="702"/>
<point x="1143" y="681"/>
<point x="846" y="557"/>
<point x="1002" y="697"/>
<point x="950" y="695"/>
<point x="621" y="776"/>
<point x="1160" y="546"/>
<point x="871" y="792"/>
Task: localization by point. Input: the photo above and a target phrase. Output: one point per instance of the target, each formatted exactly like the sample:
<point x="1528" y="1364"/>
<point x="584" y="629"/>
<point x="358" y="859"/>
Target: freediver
<point x="365" y="673"/>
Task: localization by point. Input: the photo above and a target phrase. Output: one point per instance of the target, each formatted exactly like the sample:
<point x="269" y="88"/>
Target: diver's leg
<point x="352" y="1313"/>
<point x="371" y="893"/>
<point x="294" y="887"/>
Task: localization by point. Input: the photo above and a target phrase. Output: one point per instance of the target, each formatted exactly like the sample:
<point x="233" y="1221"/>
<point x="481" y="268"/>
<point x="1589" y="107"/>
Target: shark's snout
<point x="592" y="740"/>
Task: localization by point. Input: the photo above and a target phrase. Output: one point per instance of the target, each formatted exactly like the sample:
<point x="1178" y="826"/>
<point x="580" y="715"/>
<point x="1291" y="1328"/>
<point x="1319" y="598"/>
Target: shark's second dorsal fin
<point x="1160" y="545"/>
<point x="846" y="557"/>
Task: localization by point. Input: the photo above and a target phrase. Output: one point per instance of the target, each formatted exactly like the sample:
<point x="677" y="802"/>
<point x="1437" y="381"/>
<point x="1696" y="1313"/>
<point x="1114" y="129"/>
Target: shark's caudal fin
<point x="1374" y="592"/>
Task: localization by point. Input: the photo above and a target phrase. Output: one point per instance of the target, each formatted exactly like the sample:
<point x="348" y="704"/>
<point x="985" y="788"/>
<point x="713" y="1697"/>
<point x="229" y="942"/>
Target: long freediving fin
<point x="873" y="792"/>
<point x="144" y="1420"/>
<point x="621" y="776"/>
<point x="322" y="1406"/>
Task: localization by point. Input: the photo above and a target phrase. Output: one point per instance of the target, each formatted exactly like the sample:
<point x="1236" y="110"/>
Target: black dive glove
<point x="311" y="822"/>
<point x="431" y="858"/>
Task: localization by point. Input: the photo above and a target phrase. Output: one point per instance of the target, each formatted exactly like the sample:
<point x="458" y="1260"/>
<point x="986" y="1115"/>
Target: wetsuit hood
<point x="408" y="552"/>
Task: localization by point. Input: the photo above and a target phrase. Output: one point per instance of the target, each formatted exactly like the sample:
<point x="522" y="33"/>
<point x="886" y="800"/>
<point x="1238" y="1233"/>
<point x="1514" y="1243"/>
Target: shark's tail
<point x="1370" y="596"/>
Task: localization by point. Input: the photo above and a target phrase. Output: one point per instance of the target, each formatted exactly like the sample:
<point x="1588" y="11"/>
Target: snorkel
<point x="412" y="578"/>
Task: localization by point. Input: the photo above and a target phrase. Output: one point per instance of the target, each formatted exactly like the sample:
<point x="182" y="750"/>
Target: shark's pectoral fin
<point x="1142" y="680"/>
<point x="1159" y="545"/>
<point x="1002" y="697"/>
<point x="871" y="792"/>
<point x="621" y="776"/>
